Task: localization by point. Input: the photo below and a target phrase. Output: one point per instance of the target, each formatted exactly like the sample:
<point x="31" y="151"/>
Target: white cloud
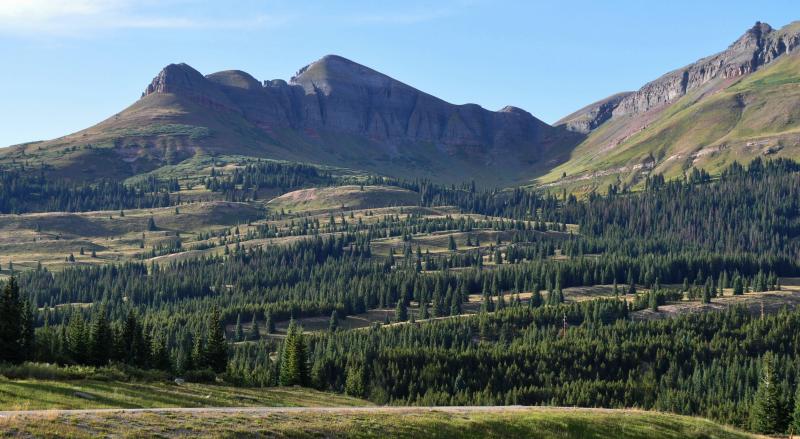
<point x="82" y="16"/>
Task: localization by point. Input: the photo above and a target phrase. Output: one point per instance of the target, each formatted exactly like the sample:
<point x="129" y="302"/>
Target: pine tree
<point x="216" y="347"/>
<point x="653" y="301"/>
<point x="794" y="426"/>
<point x="151" y="224"/>
<point x="239" y="331"/>
<point x="10" y="321"/>
<point x="100" y="338"/>
<point x="768" y="412"/>
<point x="198" y="356"/>
<point x="159" y="353"/>
<point x="401" y="311"/>
<point x="355" y="382"/>
<point x="294" y="360"/>
<point x="269" y="324"/>
<point x="536" y="297"/>
<point x="738" y="286"/>
<point x="254" y="334"/>
<point x="77" y="340"/>
<point x="706" y="294"/>
<point x="28" y="332"/>
<point x="333" y="323"/>
<point x="451" y="244"/>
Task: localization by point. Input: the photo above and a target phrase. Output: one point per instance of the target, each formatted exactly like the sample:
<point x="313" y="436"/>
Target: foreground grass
<point x="377" y="423"/>
<point x="91" y="394"/>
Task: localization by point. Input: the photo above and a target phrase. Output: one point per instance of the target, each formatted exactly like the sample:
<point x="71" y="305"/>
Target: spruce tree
<point x="239" y="331"/>
<point x="254" y="334"/>
<point x="10" y="323"/>
<point x="216" y="347"/>
<point x="100" y="338"/>
<point x="294" y="359"/>
<point x="269" y="324"/>
<point x="198" y="356"/>
<point x="768" y="412"/>
<point x="401" y="311"/>
<point x="333" y="323"/>
<point x="795" y="421"/>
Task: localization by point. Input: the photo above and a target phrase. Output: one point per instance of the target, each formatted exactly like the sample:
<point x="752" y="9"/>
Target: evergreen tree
<point x="333" y="323"/>
<point x="768" y="412"/>
<point x="28" y="331"/>
<point x="738" y="286"/>
<point x="653" y="301"/>
<point x="198" y="357"/>
<point x="269" y="324"/>
<point x="159" y="353"/>
<point x="254" y="333"/>
<point x="294" y="360"/>
<point x="216" y="347"/>
<point x="77" y="340"/>
<point x="239" y="331"/>
<point x="401" y="311"/>
<point x="794" y="427"/>
<point x="11" y="323"/>
<point x="100" y="338"/>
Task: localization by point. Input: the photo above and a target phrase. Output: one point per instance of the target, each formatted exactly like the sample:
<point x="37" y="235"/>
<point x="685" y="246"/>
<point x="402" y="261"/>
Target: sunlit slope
<point x="758" y="115"/>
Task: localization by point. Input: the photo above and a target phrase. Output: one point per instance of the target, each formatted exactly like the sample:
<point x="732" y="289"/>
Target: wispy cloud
<point x="400" y="18"/>
<point x="82" y="16"/>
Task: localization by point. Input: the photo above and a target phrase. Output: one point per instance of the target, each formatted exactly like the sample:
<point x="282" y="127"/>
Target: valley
<point x="340" y="254"/>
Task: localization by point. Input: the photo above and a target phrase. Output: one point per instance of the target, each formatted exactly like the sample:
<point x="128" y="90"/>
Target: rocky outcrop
<point x="337" y="95"/>
<point x="758" y="47"/>
<point x="182" y="79"/>
<point x="592" y="116"/>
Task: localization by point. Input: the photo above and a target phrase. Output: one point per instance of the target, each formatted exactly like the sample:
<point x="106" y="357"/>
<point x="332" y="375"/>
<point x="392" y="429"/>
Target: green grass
<point x="514" y="423"/>
<point x="756" y="116"/>
<point x="351" y="197"/>
<point x="191" y="131"/>
<point x="34" y="394"/>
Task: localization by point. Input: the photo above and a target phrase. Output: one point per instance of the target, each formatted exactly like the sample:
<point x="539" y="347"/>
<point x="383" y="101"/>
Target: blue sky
<point x="68" y="64"/>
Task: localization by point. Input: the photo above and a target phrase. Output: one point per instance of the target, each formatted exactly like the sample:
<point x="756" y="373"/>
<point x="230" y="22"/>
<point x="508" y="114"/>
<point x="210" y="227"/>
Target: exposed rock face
<point x="592" y="116"/>
<point x="337" y="95"/>
<point x="759" y="46"/>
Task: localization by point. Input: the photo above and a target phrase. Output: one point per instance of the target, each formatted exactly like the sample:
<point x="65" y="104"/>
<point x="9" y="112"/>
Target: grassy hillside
<point x="33" y="394"/>
<point x="49" y="238"/>
<point x="350" y="197"/>
<point x="511" y="422"/>
<point x="759" y="115"/>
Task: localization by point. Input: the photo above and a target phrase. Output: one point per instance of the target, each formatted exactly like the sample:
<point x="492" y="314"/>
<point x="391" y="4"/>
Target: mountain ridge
<point x="332" y="112"/>
<point x="737" y="104"/>
<point x="336" y="112"/>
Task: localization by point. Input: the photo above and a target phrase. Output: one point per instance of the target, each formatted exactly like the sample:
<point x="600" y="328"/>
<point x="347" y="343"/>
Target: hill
<point x="349" y="197"/>
<point x="739" y="104"/>
<point x="399" y="422"/>
<point x="333" y="112"/>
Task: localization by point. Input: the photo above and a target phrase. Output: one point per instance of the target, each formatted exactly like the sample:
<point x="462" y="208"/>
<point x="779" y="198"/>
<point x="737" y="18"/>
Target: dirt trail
<point x="269" y="410"/>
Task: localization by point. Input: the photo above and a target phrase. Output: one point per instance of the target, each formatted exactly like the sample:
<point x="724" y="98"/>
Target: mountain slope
<point x="736" y="105"/>
<point x="333" y="112"/>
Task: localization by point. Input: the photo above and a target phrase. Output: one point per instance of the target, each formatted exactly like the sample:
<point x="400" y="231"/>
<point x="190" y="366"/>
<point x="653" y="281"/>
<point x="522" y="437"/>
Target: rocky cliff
<point x="337" y="95"/>
<point x="759" y="46"/>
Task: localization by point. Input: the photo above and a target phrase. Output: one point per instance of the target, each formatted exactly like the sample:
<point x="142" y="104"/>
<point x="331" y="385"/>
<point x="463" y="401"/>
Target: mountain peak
<point x="173" y="78"/>
<point x="235" y="78"/>
<point x="334" y="71"/>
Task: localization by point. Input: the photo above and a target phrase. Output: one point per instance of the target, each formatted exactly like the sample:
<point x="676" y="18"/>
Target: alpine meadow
<point x="339" y="254"/>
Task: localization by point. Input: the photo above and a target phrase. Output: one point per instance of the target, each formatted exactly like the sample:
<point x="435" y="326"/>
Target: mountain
<point x="332" y="112"/>
<point x="738" y="104"/>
